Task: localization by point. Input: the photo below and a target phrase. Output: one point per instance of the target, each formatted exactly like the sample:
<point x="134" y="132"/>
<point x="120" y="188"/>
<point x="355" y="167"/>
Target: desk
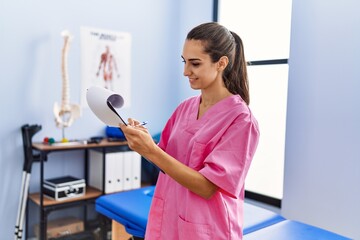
<point x="47" y="205"/>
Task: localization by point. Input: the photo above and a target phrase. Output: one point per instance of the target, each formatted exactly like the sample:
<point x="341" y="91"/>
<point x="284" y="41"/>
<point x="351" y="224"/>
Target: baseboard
<point x="263" y="198"/>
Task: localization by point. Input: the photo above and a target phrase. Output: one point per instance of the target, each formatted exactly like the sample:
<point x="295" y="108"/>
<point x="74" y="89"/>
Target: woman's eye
<point x="195" y="64"/>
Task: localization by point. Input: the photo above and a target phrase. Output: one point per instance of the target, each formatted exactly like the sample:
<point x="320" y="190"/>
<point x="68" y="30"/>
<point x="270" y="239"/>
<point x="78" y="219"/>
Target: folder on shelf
<point x="97" y="168"/>
<point x="132" y="170"/>
<point x="111" y="172"/>
<point x="122" y="171"/>
<point x="127" y="166"/>
<point x="117" y="171"/>
<point x="136" y="171"/>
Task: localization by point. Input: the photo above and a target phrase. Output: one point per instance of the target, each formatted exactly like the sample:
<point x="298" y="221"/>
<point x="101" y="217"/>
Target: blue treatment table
<point x="256" y="218"/>
<point x="131" y="209"/>
<point x="292" y="230"/>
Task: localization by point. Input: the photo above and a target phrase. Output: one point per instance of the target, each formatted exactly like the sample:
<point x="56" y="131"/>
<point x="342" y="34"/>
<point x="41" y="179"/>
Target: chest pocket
<point x="197" y="156"/>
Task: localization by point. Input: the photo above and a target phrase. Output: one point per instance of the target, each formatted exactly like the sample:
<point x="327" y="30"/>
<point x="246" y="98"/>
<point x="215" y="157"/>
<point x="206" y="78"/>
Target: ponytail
<point x="236" y="78"/>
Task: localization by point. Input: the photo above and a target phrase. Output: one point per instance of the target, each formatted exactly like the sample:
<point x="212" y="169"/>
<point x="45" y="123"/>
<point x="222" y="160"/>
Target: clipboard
<point x="103" y="102"/>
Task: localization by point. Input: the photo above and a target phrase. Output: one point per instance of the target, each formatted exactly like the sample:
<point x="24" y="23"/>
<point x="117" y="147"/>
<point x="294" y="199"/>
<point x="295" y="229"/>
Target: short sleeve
<point x="227" y="165"/>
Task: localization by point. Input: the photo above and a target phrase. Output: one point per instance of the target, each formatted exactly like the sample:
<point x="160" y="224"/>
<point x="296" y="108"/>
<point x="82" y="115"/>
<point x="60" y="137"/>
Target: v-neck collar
<point x="224" y="102"/>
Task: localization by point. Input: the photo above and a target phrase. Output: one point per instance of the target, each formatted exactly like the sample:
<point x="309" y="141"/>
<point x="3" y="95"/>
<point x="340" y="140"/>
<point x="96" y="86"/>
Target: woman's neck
<point x="211" y="98"/>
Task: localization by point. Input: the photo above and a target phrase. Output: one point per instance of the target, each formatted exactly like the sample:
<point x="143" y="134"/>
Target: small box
<point x="63" y="188"/>
<point x="62" y="227"/>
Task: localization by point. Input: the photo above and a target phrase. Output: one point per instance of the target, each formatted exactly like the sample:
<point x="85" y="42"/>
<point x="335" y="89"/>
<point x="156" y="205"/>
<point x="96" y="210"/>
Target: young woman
<point x="207" y="145"/>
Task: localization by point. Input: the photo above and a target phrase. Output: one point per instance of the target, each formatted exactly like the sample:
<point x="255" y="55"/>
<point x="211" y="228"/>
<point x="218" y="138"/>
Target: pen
<point x="142" y="124"/>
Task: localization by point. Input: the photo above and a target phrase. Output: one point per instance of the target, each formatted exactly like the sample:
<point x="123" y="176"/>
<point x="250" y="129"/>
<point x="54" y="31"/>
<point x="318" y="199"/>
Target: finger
<point x="136" y="122"/>
<point x="141" y="128"/>
<point x="131" y="121"/>
<point x="122" y="126"/>
<point x="125" y="128"/>
<point x="129" y="130"/>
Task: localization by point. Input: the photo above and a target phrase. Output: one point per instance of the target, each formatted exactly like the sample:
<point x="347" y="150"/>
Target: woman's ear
<point x="222" y="63"/>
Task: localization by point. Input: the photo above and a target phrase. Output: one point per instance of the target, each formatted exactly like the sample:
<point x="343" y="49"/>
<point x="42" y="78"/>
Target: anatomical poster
<point x="106" y="61"/>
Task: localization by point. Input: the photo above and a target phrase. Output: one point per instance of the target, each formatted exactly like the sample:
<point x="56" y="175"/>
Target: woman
<point x="206" y="146"/>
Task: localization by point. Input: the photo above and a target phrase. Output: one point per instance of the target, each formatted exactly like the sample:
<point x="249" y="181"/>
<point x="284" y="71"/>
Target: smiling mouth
<point x="192" y="80"/>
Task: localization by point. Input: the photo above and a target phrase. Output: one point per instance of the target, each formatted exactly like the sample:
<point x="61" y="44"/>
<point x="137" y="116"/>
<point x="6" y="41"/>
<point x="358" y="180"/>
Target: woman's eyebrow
<point x="191" y="59"/>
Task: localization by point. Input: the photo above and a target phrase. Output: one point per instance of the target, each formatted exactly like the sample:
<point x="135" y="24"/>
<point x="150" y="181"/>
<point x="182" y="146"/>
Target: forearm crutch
<point x="27" y="133"/>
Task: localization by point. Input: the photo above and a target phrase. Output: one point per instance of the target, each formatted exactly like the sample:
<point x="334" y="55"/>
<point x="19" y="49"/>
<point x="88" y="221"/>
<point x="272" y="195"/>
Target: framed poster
<point x="106" y="62"/>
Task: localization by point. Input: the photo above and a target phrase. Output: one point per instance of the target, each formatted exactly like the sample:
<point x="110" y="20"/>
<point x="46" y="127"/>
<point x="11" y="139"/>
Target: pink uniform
<point x="220" y="145"/>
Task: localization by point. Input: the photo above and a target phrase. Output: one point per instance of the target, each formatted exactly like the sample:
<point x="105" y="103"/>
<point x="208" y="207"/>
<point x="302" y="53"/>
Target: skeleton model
<point x="66" y="113"/>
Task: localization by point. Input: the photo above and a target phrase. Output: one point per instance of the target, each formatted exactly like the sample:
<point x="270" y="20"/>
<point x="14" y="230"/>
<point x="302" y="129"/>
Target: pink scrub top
<point x="220" y="145"/>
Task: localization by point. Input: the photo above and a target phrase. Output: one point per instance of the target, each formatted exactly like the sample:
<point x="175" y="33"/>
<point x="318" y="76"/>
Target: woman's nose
<point x="186" y="71"/>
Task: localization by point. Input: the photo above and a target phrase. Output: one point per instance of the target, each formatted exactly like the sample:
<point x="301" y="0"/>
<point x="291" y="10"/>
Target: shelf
<point x="90" y="193"/>
<point x="38" y="152"/>
<point x="79" y="145"/>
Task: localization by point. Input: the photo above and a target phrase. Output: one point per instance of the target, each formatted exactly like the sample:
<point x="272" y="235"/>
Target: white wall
<point x="322" y="160"/>
<point x="30" y="48"/>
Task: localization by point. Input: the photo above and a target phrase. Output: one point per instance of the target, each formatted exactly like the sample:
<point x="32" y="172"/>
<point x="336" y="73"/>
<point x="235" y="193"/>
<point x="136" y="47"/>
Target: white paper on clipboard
<point x="103" y="102"/>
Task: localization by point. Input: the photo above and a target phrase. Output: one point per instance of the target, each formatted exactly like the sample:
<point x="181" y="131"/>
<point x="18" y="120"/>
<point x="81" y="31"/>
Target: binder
<point x="119" y="171"/>
<point x="127" y="167"/>
<point x="122" y="171"/>
<point x="111" y="181"/>
<point x="95" y="170"/>
<point x="136" y="170"/>
<point x="110" y="173"/>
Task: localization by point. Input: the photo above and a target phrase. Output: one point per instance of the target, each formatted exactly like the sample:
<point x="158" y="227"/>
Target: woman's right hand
<point x="138" y="137"/>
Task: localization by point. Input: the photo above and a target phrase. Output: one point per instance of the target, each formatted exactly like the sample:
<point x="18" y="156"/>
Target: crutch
<point x="27" y="133"/>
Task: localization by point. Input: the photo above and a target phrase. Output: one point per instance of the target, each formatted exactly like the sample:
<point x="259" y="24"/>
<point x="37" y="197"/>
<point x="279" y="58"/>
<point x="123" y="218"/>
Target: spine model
<point x="66" y="113"/>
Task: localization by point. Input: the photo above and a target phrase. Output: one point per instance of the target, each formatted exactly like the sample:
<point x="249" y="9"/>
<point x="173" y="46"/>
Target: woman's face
<point x="202" y="73"/>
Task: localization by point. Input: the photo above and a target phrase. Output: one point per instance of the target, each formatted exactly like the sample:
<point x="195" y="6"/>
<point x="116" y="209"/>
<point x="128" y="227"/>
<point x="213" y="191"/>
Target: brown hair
<point x="218" y="41"/>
